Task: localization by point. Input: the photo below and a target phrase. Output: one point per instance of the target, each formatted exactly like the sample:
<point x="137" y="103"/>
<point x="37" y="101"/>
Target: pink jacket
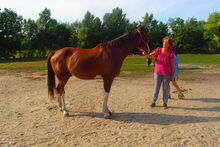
<point x="163" y="64"/>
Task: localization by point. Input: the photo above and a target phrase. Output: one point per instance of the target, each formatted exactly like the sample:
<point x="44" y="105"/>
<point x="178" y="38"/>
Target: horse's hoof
<point x="107" y="115"/>
<point x="60" y="107"/>
<point x="65" y="113"/>
<point x="110" y="113"/>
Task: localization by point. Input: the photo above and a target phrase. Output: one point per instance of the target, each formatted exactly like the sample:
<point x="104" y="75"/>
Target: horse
<point x="104" y="60"/>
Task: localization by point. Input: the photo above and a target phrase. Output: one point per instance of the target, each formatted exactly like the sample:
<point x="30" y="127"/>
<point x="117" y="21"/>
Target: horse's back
<point x="83" y="63"/>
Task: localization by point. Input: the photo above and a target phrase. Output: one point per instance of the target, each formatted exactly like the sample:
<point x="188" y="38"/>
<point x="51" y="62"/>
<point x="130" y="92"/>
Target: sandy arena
<point x="29" y="119"/>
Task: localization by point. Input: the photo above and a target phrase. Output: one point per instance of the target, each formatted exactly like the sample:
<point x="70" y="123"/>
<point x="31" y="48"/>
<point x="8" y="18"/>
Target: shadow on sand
<point x="161" y="119"/>
<point x="208" y="100"/>
<point x="150" y="118"/>
<point x="189" y="68"/>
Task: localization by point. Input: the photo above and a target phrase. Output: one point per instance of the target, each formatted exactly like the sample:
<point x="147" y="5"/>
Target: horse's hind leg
<point x="65" y="111"/>
<point x="59" y="102"/>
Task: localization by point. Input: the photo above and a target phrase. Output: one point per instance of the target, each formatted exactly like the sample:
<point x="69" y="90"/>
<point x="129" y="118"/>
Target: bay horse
<point x="105" y="59"/>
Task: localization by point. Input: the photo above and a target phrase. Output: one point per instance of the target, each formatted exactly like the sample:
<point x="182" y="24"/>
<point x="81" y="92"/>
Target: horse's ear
<point x="103" y="45"/>
<point x="140" y="28"/>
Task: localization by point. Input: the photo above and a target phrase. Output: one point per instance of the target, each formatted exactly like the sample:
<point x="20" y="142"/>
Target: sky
<point x="74" y="10"/>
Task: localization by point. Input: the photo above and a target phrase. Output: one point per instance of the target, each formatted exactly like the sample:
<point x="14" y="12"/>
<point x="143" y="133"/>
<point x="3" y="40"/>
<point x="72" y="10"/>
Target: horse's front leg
<point x="105" y="110"/>
<point x="107" y="86"/>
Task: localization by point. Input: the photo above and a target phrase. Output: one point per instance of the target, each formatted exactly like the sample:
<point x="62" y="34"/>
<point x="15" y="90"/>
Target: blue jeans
<point x="158" y="79"/>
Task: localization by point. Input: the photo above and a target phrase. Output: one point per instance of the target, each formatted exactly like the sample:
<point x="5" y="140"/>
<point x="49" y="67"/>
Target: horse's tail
<point x="51" y="83"/>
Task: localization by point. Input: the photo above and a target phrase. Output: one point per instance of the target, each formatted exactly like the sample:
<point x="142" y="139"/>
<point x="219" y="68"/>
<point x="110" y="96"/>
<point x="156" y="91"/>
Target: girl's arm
<point x="149" y="55"/>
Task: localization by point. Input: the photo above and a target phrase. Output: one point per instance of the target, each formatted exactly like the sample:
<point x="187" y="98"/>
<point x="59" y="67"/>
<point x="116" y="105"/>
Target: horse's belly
<point x="85" y="76"/>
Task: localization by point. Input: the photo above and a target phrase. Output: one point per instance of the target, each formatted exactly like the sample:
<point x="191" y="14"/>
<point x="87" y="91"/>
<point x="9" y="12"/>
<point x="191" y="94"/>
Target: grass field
<point x="133" y="65"/>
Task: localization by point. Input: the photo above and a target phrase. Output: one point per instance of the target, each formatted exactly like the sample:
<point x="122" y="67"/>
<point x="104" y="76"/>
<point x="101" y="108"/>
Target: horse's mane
<point x="120" y="40"/>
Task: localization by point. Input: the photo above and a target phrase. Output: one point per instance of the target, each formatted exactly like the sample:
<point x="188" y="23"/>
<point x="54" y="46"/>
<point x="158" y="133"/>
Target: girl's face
<point x="166" y="44"/>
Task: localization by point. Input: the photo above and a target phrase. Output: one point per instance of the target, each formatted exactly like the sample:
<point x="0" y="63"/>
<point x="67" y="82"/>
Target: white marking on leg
<point x="65" y="112"/>
<point x="105" y="109"/>
<point x="59" y="103"/>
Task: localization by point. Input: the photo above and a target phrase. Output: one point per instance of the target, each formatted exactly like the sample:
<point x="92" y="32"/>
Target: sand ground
<point x="28" y="118"/>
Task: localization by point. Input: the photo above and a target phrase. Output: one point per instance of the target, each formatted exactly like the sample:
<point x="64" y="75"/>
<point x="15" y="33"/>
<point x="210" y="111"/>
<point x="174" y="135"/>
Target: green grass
<point x="23" y="64"/>
<point x="204" y="59"/>
<point x="135" y="66"/>
<point x="132" y="66"/>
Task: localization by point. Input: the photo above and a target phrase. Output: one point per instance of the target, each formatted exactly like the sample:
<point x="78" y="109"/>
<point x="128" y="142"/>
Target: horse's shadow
<point x="162" y="119"/>
<point x="150" y="118"/>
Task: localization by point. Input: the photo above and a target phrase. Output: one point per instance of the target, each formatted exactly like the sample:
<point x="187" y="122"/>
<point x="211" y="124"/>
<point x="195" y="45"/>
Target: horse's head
<point x="141" y="43"/>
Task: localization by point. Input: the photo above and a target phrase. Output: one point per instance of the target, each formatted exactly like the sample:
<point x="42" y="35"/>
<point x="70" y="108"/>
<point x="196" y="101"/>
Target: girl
<point x="163" y="71"/>
<point x="176" y="73"/>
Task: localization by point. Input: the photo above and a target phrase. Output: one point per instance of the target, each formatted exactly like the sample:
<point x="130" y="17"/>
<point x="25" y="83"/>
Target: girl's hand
<point x="172" y="78"/>
<point x="145" y="54"/>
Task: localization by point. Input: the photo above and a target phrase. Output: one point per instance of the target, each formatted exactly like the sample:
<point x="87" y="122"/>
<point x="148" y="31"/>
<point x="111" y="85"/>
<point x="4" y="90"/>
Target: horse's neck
<point x="126" y="48"/>
<point x="121" y="52"/>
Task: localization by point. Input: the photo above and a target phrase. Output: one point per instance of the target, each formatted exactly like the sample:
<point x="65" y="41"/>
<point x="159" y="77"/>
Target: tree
<point x="90" y="32"/>
<point x="187" y="35"/>
<point x="61" y="35"/>
<point x="29" y="41"/>
<point x="114" y="24"/>
<point x="155" y="30"/>
<point x="10" y="33"/>
<point x="75" y="27"/>
<point x="148" y="22"/>
<point x="156" y="35"/>
<point x="32" y="38"/>
<point x="194" y="36"/>
<point x="177" y="27"/>
<point x="212" y="32"/>
<point x="45" y="37"/>
<point x="132" y="26"/>
<point x="44" y="18"/>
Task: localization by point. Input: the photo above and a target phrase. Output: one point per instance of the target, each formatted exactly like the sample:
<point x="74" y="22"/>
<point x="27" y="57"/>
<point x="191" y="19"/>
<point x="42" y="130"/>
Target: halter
<point x="143" y="40"/>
